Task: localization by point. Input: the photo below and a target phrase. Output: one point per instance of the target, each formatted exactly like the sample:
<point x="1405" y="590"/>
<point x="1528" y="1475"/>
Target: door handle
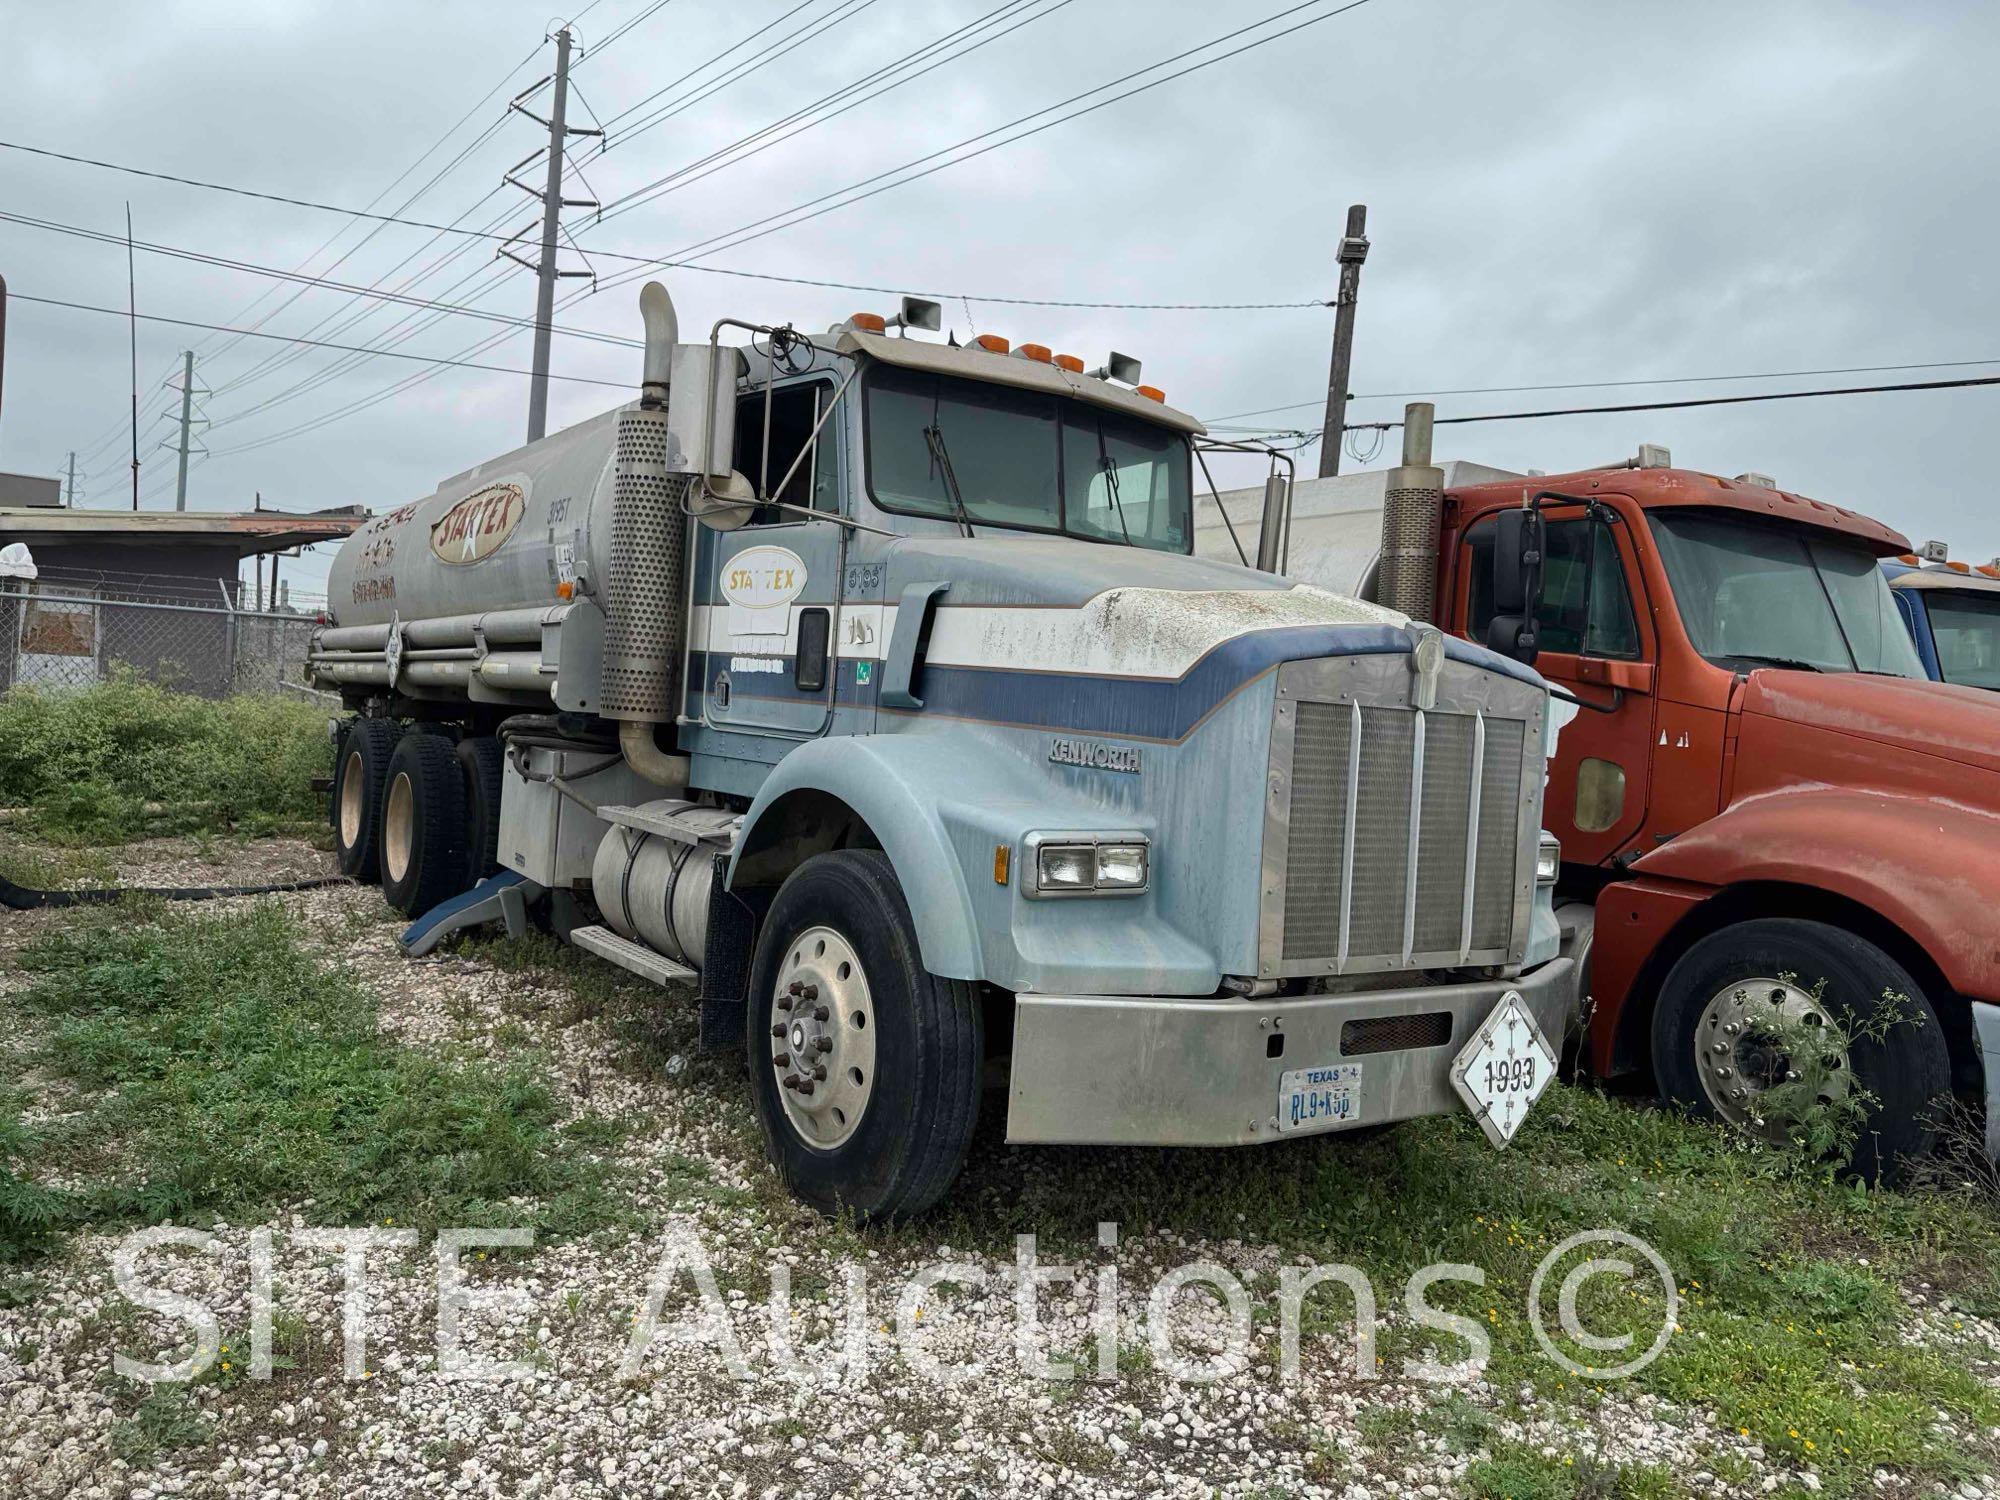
<point x="913" y="628"/>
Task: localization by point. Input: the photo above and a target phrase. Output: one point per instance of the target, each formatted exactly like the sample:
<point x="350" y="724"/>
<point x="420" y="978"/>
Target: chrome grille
<point x="1402" y="836"/>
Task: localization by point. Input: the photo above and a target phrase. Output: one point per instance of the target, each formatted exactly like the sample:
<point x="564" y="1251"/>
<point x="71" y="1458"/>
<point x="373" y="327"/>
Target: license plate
<point x="1320" y="1098"/>
<point x="1503" y="1069"/>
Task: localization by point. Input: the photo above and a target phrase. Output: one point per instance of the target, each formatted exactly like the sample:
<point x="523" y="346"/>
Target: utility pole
<point x="1353" y="251"/>
<point x="132" y="318"/>
<point x="72" y="479"/>
<point x="553" y="203"/>
<point x="187" y="425"/>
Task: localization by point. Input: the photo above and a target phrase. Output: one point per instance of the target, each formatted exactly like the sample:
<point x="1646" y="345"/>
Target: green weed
<point x="88" y="763"/>
<point x="233" y="1073"/>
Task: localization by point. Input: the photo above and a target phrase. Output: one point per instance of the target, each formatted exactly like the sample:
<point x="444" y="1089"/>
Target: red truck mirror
<point x="1517" y="584"/>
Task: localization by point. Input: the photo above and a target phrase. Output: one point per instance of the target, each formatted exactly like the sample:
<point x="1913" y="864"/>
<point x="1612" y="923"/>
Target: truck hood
<point x="1934" y="718"/>
<point x="1050" y="605"/>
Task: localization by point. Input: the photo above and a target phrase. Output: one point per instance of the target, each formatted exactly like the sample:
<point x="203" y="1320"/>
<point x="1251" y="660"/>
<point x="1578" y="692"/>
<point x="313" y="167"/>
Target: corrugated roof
<point x="250" y="533"/>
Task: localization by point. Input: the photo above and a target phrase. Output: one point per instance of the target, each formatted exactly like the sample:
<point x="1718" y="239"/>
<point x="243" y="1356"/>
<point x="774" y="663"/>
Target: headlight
<point x="1548" y="861"/>
<point x="1068" y="864"/>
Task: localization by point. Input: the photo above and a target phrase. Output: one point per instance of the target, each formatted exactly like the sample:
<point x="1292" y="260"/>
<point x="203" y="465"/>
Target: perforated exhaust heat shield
<point x="644" y="596"/>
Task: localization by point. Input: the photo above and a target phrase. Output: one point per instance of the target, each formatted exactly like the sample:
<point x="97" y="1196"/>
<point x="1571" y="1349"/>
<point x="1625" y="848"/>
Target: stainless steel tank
<point x="497" y="537"/>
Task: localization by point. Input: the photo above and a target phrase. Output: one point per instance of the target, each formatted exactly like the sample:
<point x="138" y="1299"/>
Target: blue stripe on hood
<point x="1131" y="707"/>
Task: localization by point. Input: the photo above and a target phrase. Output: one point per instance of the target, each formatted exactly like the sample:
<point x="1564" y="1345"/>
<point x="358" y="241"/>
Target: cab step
<point x="635" y="957"/>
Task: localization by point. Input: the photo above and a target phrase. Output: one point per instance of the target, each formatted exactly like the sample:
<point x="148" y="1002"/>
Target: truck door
<point x="765" y="633"/>
<point x="1599" y="647"/>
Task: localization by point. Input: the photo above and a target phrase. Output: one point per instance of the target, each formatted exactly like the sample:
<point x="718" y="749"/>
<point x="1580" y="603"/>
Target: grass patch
<point x="165" y="1419"/>
<point x="89" y="763"/>
<point x="1792" y="1326"/>
<point x="232" y="1073"/>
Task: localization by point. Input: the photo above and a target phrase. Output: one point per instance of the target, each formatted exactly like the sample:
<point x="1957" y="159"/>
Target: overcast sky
<point x="1567" y="191"/>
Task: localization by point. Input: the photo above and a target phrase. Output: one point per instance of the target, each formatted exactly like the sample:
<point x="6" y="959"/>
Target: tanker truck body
<point x="871" y="685"/>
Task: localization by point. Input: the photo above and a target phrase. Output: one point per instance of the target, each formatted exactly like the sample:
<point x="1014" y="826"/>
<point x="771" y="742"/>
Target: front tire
<point x="883" y="1058"/>
<point x="1715" y="1051"/>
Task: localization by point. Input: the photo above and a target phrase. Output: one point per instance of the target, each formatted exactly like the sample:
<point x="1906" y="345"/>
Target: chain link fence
<point x="59" y="635"/>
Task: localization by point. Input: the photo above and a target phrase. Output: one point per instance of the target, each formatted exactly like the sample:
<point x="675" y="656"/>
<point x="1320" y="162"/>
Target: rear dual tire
<point x="360" y="774"/>
<point x="423" y="837"/>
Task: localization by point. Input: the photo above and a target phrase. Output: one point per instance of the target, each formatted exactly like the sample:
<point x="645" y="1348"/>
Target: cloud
<point x="1569" y="191"/>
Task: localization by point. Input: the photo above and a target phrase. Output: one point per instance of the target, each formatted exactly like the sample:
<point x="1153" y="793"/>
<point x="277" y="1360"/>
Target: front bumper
<point x="1144" y="1071"/>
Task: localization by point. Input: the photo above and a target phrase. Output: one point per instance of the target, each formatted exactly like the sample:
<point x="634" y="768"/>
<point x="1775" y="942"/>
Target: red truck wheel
<point x="864" y="1067"/>
<point x="1770" y="1023"/>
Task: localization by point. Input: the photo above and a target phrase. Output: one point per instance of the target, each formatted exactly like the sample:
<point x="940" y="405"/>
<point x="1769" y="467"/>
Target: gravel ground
<point x="855" y="1412"/>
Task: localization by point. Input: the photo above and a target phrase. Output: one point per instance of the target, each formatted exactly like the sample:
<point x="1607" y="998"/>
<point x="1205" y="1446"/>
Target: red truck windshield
<point x="1752" y="594"/>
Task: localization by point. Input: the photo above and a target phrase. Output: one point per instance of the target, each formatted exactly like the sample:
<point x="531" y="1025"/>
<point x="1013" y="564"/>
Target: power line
<point x="285" y="338"/>
<point x="757" y="228"/>
<point x="494" y="339"/>
<point x="633" y="109"/>
<point x="653" y="262"/>
<point x="176" y="252"/>
<point x="639" y="20"/>
<point x="683" y="176"/>
<point x="845" y="10"/>
<point x="1587" y="411"/>
<point x="1597" y="385"/>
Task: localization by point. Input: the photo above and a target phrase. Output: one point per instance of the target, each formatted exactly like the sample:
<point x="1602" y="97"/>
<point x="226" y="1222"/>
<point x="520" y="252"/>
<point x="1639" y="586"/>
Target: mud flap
<point x="725" y="968"/>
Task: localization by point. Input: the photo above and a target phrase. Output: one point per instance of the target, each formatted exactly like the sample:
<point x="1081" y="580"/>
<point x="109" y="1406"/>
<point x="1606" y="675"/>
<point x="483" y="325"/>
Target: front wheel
<point x="865" y="1068"/>
<point x="1779" y="1027"/>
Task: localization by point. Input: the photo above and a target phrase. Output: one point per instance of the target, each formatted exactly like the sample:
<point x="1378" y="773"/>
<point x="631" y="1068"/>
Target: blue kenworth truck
<point x="867" y="683"/>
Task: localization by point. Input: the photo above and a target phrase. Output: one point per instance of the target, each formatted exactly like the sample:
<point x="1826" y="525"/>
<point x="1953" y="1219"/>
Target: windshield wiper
<point x="1111" y="482"/>
<point x="934" y="439"/>
<point x="1762" y="660"/>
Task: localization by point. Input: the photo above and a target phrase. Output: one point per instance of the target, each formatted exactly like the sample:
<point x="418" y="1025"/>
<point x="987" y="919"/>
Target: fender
<point x="940" y="801"/>
<point x="891" y="781"/>
<point x="1931" y="868"/>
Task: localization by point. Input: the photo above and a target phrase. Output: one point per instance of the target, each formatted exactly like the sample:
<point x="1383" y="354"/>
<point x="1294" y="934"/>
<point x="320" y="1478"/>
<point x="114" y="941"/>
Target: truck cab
<point x="1776" y="816"/>
<point x="1952" y="610"/>
<point x="871" y="684"/>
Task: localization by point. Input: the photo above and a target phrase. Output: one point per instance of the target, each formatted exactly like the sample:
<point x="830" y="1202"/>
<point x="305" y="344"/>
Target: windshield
<point x="1752" y="595"/>
<point x="993" y="455"/>
<point x="1966" y="628"/>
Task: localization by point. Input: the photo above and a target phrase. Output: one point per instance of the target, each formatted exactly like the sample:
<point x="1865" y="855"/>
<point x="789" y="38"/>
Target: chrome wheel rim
<point x="351" y="801"/>
<point x="398" y="824"/>
<point x="822" y="1037"/>
<point x="1745" y="1045"/>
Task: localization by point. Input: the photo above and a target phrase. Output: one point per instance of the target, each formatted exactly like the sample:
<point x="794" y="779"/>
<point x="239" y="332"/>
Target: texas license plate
<point x="1320" y="1098"/>
<point x="1503" y="1069"/>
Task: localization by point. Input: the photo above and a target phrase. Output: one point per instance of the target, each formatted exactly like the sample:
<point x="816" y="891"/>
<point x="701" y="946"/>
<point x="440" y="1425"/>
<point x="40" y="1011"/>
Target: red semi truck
<point x="1769" y="818"/>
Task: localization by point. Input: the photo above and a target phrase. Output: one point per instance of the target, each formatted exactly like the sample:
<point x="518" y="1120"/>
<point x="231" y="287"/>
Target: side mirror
<point x="1517" y="584"/>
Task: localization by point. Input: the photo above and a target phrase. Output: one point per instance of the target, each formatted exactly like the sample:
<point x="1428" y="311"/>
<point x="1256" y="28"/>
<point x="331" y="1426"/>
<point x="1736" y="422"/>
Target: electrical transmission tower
<point x="189" y="418"/>
<point x="553" y="203"/>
